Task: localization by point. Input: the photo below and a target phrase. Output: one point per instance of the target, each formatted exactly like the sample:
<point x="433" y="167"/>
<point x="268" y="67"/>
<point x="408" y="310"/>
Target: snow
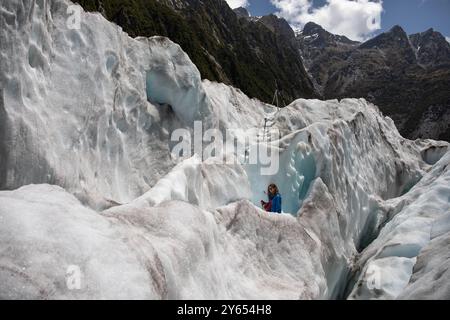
<point x="298" y="31"/>
<point x="311" y="38"/>
<point x="93" y="184"/>
<point x="255" y="18"/>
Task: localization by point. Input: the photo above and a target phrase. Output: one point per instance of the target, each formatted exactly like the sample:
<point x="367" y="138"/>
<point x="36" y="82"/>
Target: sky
<point x="357" y="19"/>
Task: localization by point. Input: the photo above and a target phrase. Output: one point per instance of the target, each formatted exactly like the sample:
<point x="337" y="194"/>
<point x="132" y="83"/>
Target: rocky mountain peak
<point x="242" y="12"/>
<point x="431" y="48"/>
<point x="278" y="25"/>
<point x="394" y="38"/>
<point x="317" y="36"/>
<point x="312" y="28"/>
<point x="398" y="30"/>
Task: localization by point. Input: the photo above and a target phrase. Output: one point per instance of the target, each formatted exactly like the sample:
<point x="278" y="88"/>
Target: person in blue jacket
<point x="274" y="204"/>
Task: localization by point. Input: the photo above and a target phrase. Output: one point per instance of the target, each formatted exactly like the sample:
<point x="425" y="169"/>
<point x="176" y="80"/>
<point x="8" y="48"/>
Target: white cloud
<point x="448" y="39"/>
<point x="237" y="3"/>
<point x="356" y="19"/>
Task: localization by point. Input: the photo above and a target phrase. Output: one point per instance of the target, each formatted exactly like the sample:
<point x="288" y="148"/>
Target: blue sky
<point x="344" y="16"/>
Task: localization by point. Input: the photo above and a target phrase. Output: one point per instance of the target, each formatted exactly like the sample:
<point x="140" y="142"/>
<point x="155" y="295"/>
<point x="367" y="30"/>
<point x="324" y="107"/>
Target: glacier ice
<point x="45" y="230"/>
<point x="431" y="273"/>
<point x="88" y="180"/>
<point x="76" y="101"/>
<point x="414" y="220"/>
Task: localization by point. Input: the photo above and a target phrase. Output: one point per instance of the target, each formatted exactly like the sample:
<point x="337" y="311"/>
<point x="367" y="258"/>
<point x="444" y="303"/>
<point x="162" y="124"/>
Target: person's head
<point x="273" y="189"/>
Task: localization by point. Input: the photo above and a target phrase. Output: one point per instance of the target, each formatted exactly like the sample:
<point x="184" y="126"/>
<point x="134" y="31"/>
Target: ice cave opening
<point x="183" y="96"/>
<point x="157" y="88"/>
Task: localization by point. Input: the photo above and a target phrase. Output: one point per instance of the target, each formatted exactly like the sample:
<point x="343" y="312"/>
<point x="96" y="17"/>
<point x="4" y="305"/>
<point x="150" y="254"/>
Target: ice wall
<point x="431" y="274"/>
<point x="81" y="107"/>
<point x="414" y="225"/>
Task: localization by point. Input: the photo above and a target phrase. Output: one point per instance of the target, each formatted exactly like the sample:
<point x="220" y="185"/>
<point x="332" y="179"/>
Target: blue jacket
<point x="276" y="204"/>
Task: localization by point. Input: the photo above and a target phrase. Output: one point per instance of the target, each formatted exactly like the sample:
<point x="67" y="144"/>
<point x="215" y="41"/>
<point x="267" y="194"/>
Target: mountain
<point x="396" y="37"/>
<point x="279" y="26"/>
<point x="406" y="76"/>
<point x="322" y="51"/>
<point x="242" y="12"/>
<point x="239" y="52"/>
<point x="317" y="37"/>
<point x="432" y="49"/>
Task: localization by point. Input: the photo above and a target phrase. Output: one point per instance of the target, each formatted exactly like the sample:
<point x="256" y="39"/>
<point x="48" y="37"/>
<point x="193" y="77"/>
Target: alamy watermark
<point x="373" y="23"/>
<point x="73" y="22"/>
<point x="73" y="277"/>
<point x="255" y="146"/>
<point x="373" y="277"/>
